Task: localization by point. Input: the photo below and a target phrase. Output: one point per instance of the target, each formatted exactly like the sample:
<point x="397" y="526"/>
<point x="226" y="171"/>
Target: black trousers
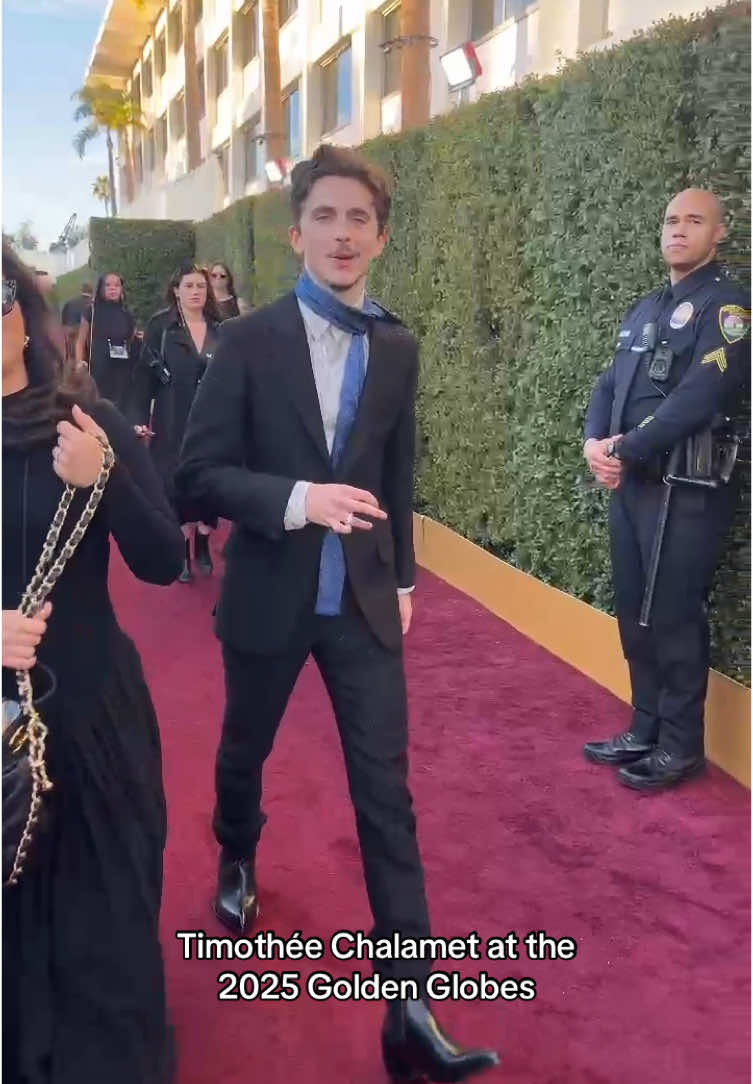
<point x="669" y="661"/>
<point x="366" y="685"/>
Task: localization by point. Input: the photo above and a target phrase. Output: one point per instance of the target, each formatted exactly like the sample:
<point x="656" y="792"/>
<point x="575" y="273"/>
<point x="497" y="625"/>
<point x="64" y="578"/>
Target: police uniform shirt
<point x="704" y="319"/>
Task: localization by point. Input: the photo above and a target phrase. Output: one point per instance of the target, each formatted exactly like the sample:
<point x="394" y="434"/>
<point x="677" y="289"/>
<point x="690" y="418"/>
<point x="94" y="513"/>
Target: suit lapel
<point x="378" y="375"/>
<point x="298" y="372"/>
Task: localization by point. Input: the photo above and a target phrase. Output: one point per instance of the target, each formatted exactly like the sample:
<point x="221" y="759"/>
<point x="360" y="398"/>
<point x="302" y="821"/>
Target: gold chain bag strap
<point x="29" y="768"/>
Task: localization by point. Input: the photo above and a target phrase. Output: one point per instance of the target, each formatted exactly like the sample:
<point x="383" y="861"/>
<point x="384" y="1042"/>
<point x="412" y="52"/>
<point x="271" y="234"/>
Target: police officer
<point x="681" y="360"/>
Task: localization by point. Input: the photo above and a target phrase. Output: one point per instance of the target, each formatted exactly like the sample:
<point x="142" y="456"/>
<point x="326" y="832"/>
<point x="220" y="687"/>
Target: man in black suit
<point x="302" y="434"/>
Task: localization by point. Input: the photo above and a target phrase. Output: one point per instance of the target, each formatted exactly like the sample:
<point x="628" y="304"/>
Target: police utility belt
<point x="706" y="458"/>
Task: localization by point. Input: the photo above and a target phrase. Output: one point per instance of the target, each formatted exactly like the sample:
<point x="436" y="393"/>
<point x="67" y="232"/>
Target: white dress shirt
<point x="328" y="346"/>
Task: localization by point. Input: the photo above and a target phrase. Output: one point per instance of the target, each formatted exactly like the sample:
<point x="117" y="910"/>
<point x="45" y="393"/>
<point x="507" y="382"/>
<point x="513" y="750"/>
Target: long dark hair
<point x="229" y="273"/>
<point x="53" y="387"/>
<point x="210" y="310"/>
<point x="99" y="293"/>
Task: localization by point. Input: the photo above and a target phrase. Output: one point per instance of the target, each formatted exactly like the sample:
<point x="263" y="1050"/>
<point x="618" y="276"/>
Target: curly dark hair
<point x="54" y="388"/>
<point x="210" y="310"/>
<point x="330" y="161"/>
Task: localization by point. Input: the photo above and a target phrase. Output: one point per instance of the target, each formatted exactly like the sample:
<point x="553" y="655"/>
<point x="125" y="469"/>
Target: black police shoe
<point x="415" y="1049"/>
<point x="661" y="769"/>
<point x="236" y="903"/>
<point x="622" y="749"/>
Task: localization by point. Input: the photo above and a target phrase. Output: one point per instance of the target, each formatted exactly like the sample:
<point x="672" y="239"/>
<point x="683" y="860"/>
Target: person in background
<point x="44" y="284"/>
<point x="682" y="363"/>
<point x="73" y="312"/>
<point x="104" y="340"/>
<point x="83" y="987"/>
<point x="223" y="288"/>
<point x="179" y="343"/>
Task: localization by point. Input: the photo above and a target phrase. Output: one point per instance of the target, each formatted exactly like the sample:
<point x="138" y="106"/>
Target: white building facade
<point x="339" y="83"/>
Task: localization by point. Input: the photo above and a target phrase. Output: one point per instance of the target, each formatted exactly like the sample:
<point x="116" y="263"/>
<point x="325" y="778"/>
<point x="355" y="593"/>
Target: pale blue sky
<point x="46" y="48"/>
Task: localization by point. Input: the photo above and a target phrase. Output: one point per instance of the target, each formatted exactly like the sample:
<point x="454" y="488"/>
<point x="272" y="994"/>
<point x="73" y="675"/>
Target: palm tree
<point x="191" y="97"/>
<point x="270" y="22"/>
<point x="101" y="191"/>
<point x="107" y="110"/>
<point x="415" y="72"/>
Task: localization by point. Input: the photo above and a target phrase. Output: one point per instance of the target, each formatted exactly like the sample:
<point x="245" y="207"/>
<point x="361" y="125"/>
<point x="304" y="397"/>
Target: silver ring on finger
<point x="349" y="519"/>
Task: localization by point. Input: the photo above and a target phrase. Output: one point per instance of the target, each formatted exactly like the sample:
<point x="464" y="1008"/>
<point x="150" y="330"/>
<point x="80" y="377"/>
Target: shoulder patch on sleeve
<point x="734" y="322"/>
<point x="716" y="357"/>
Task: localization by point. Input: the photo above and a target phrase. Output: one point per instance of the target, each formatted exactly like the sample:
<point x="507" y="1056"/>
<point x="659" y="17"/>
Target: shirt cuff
<point x="295" y="513"/>
<point x="406" y="590"/>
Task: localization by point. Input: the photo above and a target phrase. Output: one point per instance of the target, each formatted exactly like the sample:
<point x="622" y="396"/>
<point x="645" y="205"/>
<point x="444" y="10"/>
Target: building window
<point x="178" y="117"/>
<point x="486" y="14"/>
<point x="252" y="150"/>
<point x="160" y="62"/>
<point x="175" y="28"/>
<point x="221" y="66"/>
<point x="136" y="93"/>
<point x="223" y="160"/>
<point x="337" y="77"/>
<point x="247" y="34"/>
<point x="291" y="117"/>
<point x="161" y="141"/>
<point x="287" y="8"/>
<point x="202" y="90"/>
<point x="146" y="77"/>
<point x="149" y="151"/>
<point x="391" y="65"/>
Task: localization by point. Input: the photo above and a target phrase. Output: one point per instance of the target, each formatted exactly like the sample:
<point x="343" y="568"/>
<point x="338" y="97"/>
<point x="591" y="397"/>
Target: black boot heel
<point x="414" y="1048"/>
<point x="186" y="574"/>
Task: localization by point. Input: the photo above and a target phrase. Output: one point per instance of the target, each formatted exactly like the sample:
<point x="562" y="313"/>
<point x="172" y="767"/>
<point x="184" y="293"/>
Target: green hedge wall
<point x="276" y="266"/>
<point x="229" y="237"/>
<point x="68" y="285"/>
<point x="523" y="228"/>
<point x="145" y="252"/>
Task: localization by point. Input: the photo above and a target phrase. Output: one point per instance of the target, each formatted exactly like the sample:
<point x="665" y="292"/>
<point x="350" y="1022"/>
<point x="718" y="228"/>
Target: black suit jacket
<point x="255" y="429"/>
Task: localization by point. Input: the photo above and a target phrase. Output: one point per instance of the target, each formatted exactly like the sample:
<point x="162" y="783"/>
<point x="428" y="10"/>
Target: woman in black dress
<point x="105" y="340"/>
<point x="223" y="288"/>
<point x="83" y="990"/>
<point x="179" y="343"/>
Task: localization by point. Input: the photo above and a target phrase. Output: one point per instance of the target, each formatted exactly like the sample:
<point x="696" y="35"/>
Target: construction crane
<point x="61" y="245"/>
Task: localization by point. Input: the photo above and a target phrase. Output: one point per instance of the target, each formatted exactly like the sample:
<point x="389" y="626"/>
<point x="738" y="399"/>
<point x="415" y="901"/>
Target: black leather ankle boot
<point x="236" y="903"/>
<point x="415" y="1049"/>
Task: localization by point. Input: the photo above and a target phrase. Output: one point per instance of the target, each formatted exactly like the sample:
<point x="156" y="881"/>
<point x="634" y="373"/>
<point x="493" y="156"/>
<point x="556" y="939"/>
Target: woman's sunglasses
<point x="9" y="295"/>
<point x="218" y="275"/>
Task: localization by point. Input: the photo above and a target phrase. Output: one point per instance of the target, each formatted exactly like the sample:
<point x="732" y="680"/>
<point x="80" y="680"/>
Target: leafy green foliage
<point x="68" y="286"/>
<point x="145" y="252"/>
<point x="229" y="238"/>
<point x="275" y="265"/>
<point x="523" y="227"/>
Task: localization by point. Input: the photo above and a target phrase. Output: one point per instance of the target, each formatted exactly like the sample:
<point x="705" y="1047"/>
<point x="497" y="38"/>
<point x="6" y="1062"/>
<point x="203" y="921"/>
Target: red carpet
<point x="518" y="833"/>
